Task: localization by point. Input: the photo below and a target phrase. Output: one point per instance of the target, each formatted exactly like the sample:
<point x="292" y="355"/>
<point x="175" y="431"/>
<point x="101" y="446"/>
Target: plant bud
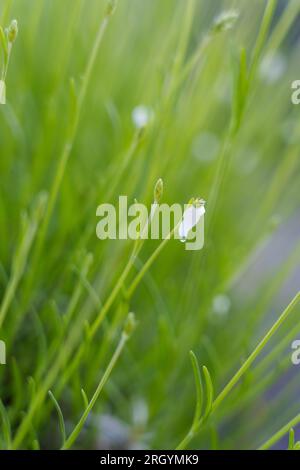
<point x="12" y="31"/>
<point x="129" y="325"/>
<point x="158" y="190"/>
<point x="225" y="21"/>
<point x="110" y="9"/>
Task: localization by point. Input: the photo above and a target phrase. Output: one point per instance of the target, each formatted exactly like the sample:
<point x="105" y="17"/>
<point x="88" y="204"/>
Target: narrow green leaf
<point x="73" y="106"/>
<point x="36" y="445"/>
<point x="85" y="398"/>
<point x="60" y="417"/>
<point x="6" y="429"/>
<point x="17" y="384"/>
<point x="31" y="387"/>
<point x="291" y="439"/>
<point x="209" y="392"/>
<point x="199" y="388"/>
<point x="3" y="41"/>
<point x="127" y="330"/>
<point x="241" y="86"/>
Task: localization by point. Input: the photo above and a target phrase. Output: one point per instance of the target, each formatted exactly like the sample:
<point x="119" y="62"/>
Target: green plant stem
<point x="21" y="255"/>
<point x="227" y="389"/>
<point x="62" y="359"/>
<point x="75" y="433"/>
<point x="146" y="266"/>
<point x="65" y="355"/>
<point x="188" y="438"/>
<point x="225" y="157"/>
<point x="182" y="47"/>
<point x="68" y="317"/>
<point x="5" y="67"/>
<point x="68" y="146"/>
<point x="6" y="11"/>
<point x="279" y="434"/>
<point x="285" y="22"/>
<point x="117" y="288"/>
<point x="262" y="37"/>
<point x="256" y="351"/>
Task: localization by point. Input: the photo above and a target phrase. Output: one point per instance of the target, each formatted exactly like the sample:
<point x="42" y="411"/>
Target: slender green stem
<point x="64" y="356"/>
<point x="68" y="317"/>
<point x="279" y="434"/>
<point x="71" y="366"/>
<point x="118" y="286"/>
<point x="120" y="282"/>
<point x="285" y="22"/>
<point x="244" y="368"/>
<point x="182" y="47"/>
<point x="256" y="352"/>
<point x="225" y="156"/>
<point x="149" y="263"/>
<point x="5" y="67"/>
<point x="6" y="11"/>
<point x="262" y="36"/>
<point x="187" y="439"/>
<point x="62" y="359"/>
<point x="75" y="433"/>
<point x="21" y="255"/>
<point x="68" y="145"/>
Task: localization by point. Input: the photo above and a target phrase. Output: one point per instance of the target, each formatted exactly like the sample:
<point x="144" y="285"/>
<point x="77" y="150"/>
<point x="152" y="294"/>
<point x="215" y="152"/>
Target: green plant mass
<point x="140" y="343"/>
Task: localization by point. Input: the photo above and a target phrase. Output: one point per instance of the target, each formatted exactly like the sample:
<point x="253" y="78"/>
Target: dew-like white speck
<point x="221" y="305"/>
<point x="273" y="67"/>
<point x="141" y="116"/>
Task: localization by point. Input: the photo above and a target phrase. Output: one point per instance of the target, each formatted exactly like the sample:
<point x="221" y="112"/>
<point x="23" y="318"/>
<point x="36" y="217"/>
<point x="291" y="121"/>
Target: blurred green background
<point x="211" y="136"/>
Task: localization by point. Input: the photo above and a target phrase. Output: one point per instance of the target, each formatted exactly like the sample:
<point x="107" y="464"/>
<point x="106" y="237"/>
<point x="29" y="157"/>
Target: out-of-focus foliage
<point x="222" y="128"/>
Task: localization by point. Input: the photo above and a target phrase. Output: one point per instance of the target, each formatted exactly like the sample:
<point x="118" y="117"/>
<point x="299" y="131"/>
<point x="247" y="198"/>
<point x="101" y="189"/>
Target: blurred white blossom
<point x="221" y="305"/>
<point x="141" y="116"/>
<point x="272" y="68"/>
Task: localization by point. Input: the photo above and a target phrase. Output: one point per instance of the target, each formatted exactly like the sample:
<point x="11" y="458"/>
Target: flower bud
<point x="110" y="9"/>
<point x="12" y="31"/>
<point x="191" y="217"/>
<point x="158" y="190"/>
<point x="129" y="325"/>
<point x="225" y="21"/>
